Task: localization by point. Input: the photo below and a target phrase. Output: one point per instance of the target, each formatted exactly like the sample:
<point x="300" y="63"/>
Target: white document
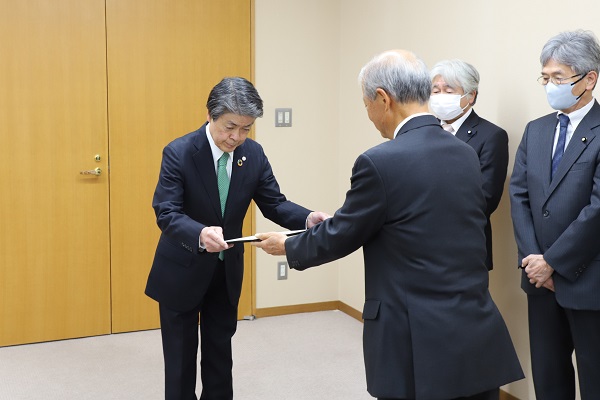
<point x="255" y="239"/>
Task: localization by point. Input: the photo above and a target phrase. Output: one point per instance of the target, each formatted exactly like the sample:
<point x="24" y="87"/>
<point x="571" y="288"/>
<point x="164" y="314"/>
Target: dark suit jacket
<point x="490" y="142"/>
<point x="187" y="199"/>
<point x="431" y="329"/>
<point x="560" y="218"/>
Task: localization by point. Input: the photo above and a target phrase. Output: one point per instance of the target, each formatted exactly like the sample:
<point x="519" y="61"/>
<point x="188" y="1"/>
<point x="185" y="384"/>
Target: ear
<point x="207" y="117"/>
<point x="591" y="80"/>
<point x="473" y="98"/>
<point x="385" y="97"/>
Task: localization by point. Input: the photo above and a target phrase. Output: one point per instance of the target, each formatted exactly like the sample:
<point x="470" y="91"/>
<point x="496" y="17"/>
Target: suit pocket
<point x="174" y="254"/>
<point x="580" y="165"/>
<point x="371" y="309"/>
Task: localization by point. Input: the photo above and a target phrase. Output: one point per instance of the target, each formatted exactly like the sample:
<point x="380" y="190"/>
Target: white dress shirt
<point x="574" y="119"/>
<point x="217" y="153"/>
<point x="456" y="124"/>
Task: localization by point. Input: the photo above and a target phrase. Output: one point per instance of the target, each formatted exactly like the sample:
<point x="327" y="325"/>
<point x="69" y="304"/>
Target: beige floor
<point x="310" y="356"/>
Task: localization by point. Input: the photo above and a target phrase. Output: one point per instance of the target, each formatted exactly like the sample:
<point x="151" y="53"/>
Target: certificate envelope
<point x="255" y="239"/>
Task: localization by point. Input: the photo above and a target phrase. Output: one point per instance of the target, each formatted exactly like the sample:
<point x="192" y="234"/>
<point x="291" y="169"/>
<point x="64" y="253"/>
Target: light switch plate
<point x="283" y="117"/>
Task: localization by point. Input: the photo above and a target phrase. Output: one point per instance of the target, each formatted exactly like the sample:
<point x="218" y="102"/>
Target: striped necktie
<point x="560" y="145"/>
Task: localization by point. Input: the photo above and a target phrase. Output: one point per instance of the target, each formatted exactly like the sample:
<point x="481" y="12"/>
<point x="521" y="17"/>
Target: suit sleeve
<point x="520" y="205"/>
<point x="361" y="216"/>
<point x="575" y="248"/>
<point x="493" y="159"/>
<point x="168" y="201"/>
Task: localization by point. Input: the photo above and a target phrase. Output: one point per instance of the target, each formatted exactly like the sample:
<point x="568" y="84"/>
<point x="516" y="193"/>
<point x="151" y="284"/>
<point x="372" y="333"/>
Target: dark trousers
<point x="493" y="394"/>
<point x="218" y="322"/>
<point x="554" y="333"/>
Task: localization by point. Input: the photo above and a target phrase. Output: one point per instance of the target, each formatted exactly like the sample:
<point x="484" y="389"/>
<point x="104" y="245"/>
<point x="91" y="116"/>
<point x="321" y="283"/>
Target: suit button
<point x="546" y="213"/>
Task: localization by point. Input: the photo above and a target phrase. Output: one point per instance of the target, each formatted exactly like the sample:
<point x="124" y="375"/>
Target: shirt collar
<point x="216" y="152"/>
<point x="405" y="120"/>
<point x="457" y="124"/>
<point x="576" y="116"/>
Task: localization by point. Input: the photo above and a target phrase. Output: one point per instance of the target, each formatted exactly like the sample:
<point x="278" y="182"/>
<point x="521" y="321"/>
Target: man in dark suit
<point x="431" y="329"/>
<point x="555" y="205"/>
<point x="455" y="87"/>
<point x="207" y="180"/>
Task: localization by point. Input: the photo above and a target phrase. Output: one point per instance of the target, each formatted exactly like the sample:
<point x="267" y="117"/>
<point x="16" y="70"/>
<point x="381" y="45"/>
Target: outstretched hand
<point x="212" y="238"/>
<point x="316" y="217"/>
<point x="272" y="243"/>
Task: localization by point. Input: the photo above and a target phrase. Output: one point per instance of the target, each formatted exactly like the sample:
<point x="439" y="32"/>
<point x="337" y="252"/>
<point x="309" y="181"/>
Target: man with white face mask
<point x="455" y="86"/>
<point x="555" y="205"/>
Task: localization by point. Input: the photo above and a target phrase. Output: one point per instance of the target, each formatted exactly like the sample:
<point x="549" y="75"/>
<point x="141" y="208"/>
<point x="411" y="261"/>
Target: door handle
<point x="95" y="171"/>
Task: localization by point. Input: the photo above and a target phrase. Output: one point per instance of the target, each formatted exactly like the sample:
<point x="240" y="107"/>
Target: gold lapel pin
<point x="241" y="162"/>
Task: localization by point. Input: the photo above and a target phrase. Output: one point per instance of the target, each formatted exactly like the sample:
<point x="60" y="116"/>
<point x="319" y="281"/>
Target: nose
<point x="235" y="134"/>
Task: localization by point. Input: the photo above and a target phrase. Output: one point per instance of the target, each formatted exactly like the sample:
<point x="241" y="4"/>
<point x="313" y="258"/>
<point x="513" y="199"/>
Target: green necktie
<point x="223" y="180"/>
<point x="223" y="185"/>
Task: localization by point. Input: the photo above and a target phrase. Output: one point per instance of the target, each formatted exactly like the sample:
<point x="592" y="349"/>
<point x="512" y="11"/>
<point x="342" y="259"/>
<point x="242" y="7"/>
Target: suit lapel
<point x="582" y="137"/>
<point x="203" y="160"/>
<point x="469" y="128"/>
<point x="540" y="154"/>
<point x="237" y="174"/>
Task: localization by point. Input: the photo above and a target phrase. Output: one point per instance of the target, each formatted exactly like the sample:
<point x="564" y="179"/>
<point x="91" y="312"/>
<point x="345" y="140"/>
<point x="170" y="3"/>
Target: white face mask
<point x="560" y="97"/>
<point x="446" y="106"/>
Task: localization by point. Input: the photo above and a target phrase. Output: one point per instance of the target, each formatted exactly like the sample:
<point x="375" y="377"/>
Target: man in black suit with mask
<point x="555" y="205"/>
<point x="455" y="88"/>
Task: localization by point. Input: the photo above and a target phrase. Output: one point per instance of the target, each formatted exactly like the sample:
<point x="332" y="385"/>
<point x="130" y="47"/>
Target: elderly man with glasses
<point x="555" y="202"/>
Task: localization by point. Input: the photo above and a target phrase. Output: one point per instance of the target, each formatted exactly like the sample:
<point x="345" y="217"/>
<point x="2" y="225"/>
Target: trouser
<point x="218" y="322"/>
<point x="554" y="333"/>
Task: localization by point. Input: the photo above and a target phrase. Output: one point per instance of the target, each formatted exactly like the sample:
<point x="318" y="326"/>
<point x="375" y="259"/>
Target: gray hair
<point x="577" y="49"/>
<point x="403" y="76"/>
<point x="457" y="73"/>
<point x="234" y="95"/>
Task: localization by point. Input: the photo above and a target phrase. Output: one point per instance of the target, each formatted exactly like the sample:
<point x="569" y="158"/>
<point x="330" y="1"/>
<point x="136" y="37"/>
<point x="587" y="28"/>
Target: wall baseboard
<point x="310" y="307"/>
<point x="330" y="306"/>
<point x="296" y="309"/>
<point x="351" y="311"/>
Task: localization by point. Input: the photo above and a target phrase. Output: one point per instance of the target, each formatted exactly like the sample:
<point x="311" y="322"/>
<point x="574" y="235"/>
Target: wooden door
<point x="163" y="59"/>
<point x="54" y="232"/>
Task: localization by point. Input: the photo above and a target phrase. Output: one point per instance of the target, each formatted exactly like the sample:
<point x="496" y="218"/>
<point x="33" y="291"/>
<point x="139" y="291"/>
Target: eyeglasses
<point x="543" y="80"/>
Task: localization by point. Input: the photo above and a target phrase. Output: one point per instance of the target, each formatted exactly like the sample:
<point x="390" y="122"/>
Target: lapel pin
<point x="241" y="162"/>
<point x="584" y="139"/>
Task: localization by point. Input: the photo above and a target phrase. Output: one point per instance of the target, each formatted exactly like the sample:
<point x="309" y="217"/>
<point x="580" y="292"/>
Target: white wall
<point x="297" y="66"/>
<point x="329" y="41"/>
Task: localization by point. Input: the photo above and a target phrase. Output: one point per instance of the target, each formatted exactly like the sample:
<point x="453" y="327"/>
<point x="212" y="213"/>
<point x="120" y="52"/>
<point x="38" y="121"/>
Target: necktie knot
<point x="564" y="120"/>
<point x="223" y="160"/>
<point x="448" y="128"/>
